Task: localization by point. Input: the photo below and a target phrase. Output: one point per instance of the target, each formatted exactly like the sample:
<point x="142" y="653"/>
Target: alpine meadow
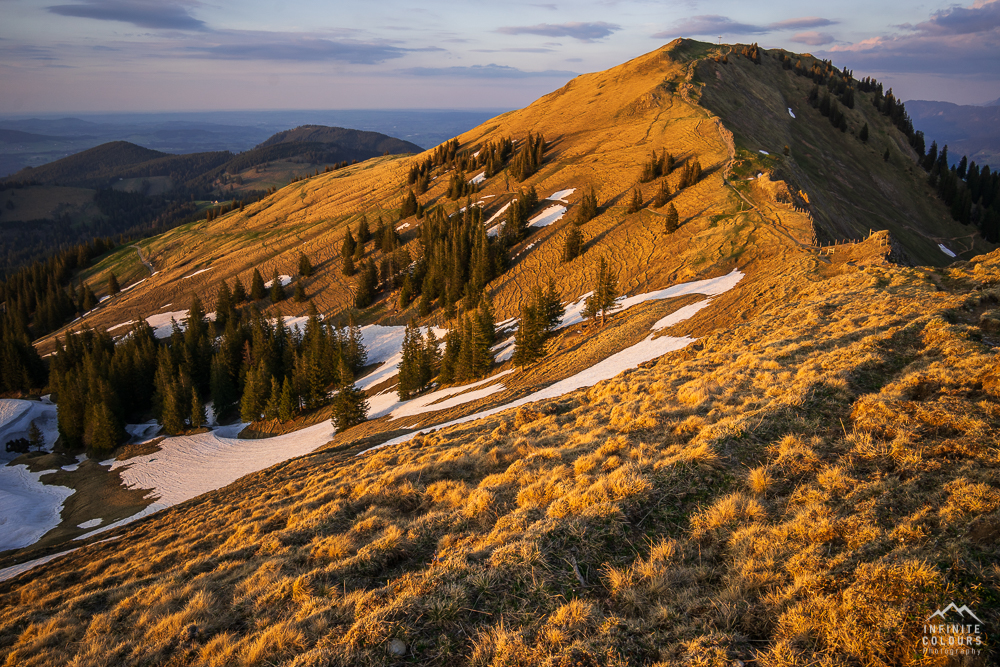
<point x="691" y="361"/>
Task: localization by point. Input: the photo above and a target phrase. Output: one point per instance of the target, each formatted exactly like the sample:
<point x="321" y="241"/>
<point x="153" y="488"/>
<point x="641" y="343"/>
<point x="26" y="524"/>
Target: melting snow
<point x="478" y="178"/>
<point x="790" y="112"/>
<point x="646" y="350"/>
<point x="93" y="523"/>
<point x="80" y="458"/>
<point x="192" y="275"/>
<point x="946" y="251"/>
<point x="764" y="153"/>
<point x="28" y="508"/>
<point x="561" y="195"/>
<point x="402" y="226"/>
<point x="20" y="568"/>
<point x="500" y="212"/>
<point x="284" y="281"/>
<point x="548" y="216"/>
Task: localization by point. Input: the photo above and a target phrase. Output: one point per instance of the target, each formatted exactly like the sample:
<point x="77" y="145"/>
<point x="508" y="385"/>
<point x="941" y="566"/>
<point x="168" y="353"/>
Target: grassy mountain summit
<point x="805" y="479"/>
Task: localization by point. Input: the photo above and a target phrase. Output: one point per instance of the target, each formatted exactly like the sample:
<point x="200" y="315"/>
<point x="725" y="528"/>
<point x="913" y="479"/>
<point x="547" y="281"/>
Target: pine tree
<point x="173" y="414"/>
<point x="273" y="400"/>
<point x="286" y="406"/>
<point x="671" y="220"/>
<point x="863" y="135"/>
<point x="348" y="246"/>
<point x="552" y="306"/>
<point x="198" y="417"/>
<point x="409" y="205"/>
<point x="277" y="292"/>
<point x="300" y="292"/>
<point x="224" y="396"/>
<point x="587" y="208"/>
<point x="367" y="285"/>
<point x="250" y="405"/>
<point x="410" y="378"/>
<point x="662" y="195"/>
<point x="239" y="292"/>
<point x="635" y="203"/>
<point x="223" y="306"/>
<point x="305" y="266"/>
<point x="364" y="233"/>
<point x="602" y="301"/>
<point x="257" y="289"/>
<point x="113" y="286"/>
<point x="573" y="245"/>
<point x="348" y="266"/>
<point x="35" y="439"/>
<point x="529" y="341"/>
<point x="350" y="407"/>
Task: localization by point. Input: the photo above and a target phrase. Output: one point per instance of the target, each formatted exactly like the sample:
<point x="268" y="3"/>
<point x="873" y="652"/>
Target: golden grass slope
<point x="805" y="488"/>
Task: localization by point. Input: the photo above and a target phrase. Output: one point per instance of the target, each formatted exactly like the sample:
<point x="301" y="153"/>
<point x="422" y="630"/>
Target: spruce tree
<point x="277" y="292"/>
<point x="173" y="413"/>
<point x="350" y="407"/>
<point x="305" y="266"/>
<point x="35" y="439"/>
<point x="300" y="291"/>
<point x="605" y="293"/>
<point x="223" y="306"/>
<point x="250" y="405"/>
<point x="224" y="396"/>
<point x="348" y="246"/>
<point x="529" y="340"/>
<point x="239" y="292"/>
<point x="670" y="222"/>
<point x="410" y="377"/>
<point x="257" y="289"/>
<point x="286" y="406"/>
<point x="273" y="400"/>
<point x="113" y="286"/>
<point x="348" y="266"/>
<point x="662" y="195"/>
<point x="573" y="245"/>
<point x="635" y="203"/>
<point x="364" y="233"/>
<point x="587" y="208"/>
<point x="863" y="135"/>
<point x="552" y="306"/>
<point x="198" y="417"/>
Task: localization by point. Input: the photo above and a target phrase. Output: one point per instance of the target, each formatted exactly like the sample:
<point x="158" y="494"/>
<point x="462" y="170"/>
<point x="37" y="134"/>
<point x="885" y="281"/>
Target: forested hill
<point x="90" y="166"/>
<point x="374" y="143"/>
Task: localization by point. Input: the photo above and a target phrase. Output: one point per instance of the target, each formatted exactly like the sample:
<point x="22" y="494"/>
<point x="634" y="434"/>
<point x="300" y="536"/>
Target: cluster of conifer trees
<point x="528" y="157"/>
<point x="972" y="193"/>
<point x="541" y="313"/>
<point x="243" y="363"/>
<point x="37" y="300"/>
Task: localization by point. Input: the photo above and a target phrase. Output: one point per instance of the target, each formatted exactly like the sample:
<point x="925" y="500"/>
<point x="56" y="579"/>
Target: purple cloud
<point x="980" y="17"/>
<point x="711" y="24"/>
<point x="803" y="22"/>
<point x="141" y="13"/>
<point x="491" y="71"/>
<point x="813" y="38"/>
<point x="585" y="32"/>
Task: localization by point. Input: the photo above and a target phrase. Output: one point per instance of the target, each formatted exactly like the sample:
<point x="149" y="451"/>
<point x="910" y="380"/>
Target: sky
<point x="62" y="56"/>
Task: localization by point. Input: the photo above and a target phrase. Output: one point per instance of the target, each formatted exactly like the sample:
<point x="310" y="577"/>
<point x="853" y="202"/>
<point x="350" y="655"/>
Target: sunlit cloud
<point x="585" y="32"/>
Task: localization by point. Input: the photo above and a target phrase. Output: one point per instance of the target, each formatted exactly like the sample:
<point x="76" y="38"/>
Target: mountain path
<point x="146" y="262"/>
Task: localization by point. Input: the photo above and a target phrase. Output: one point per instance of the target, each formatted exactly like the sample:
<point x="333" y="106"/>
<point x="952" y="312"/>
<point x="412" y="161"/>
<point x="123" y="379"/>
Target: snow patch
<point x="28" y="508"/>
<point x="946" y="251"/>
<point x="499" y="213"/>
<point x="384" y="345"/>
<point x="402" y="226"/>
<point x="21" y="568"/>
<point x="648" y="349"/>
<point x="192" y="275"/>
<point x="790" y="112"/>
<point x="93" y="523"/>
<point x="15" y="422"/>
<point x="561" y="195"/>
<point x="125" y="289"/>
<point x="763" y="152"/>
<point x="284" y="281"/>
<point x="80" y="458"/>
<point x="478" y="178"/>
<point x="548" y="216"/>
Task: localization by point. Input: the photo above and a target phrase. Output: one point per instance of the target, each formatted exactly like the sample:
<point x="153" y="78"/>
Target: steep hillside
<point x="776" y="450"/>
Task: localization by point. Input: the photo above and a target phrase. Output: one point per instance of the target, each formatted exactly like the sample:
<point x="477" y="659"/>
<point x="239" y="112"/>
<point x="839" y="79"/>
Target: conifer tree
<point x="350" y="407"/>
<point x="35" y="439"/>
<point x="286" y="406"/>
<point x="354" y="352"/>
<point x="253" y="397"/>
<point x="410" y="378"/>
<point x="257" y="289"/>
<point x="605" y="293"/>
<point x="529" y="341"/>
<point x="367" y="284"/>
<point x="239" y="292"/>
<point x="662" y="195"/>
<point x="348" y="266"/>
<point x="273" y="400"/>
<point x="224" y="396"/>
<point x="305" y="266"/>
<point x="670" y="222"/>
<point x="635" y="203"/>
<point x="409" y="205"/>
<point x="198" y="417"/>
<point x="573" y="245"/>
<point x="359" y="252"/>
<point x="113" y="286"/>
<point x="277" y="291"/>
<point x="173" y="413"/>
<point x="587" y="208"/>
<point x="364" y="233"/>
<point x="348" y="246"/>
<point x="863" y="135"/>
<point x="552" y="306"/>
<point x="885" y="156"/>
<point x="223" y="306"/>
<point x="300" y="292"/>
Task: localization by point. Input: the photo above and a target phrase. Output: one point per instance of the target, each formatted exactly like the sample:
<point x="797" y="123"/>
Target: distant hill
<point x="92" y="167"/>
<point x="18" y="137"/>
<point x="371" y="144"/>
<point x="968" y="130"/>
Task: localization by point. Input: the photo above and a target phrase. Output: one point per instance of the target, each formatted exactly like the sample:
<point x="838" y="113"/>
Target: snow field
<point x="790" y="112"/>
<point x="284" y="281"/>
<point x="192" y="275"/>
<point x="548" y="216"/>
<point x="946" y="250"/>
<point x="647" y="349"/>
<point x="478" y="178"/>
<point x="561" y="195"/>
<point x="28" y="508"/>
